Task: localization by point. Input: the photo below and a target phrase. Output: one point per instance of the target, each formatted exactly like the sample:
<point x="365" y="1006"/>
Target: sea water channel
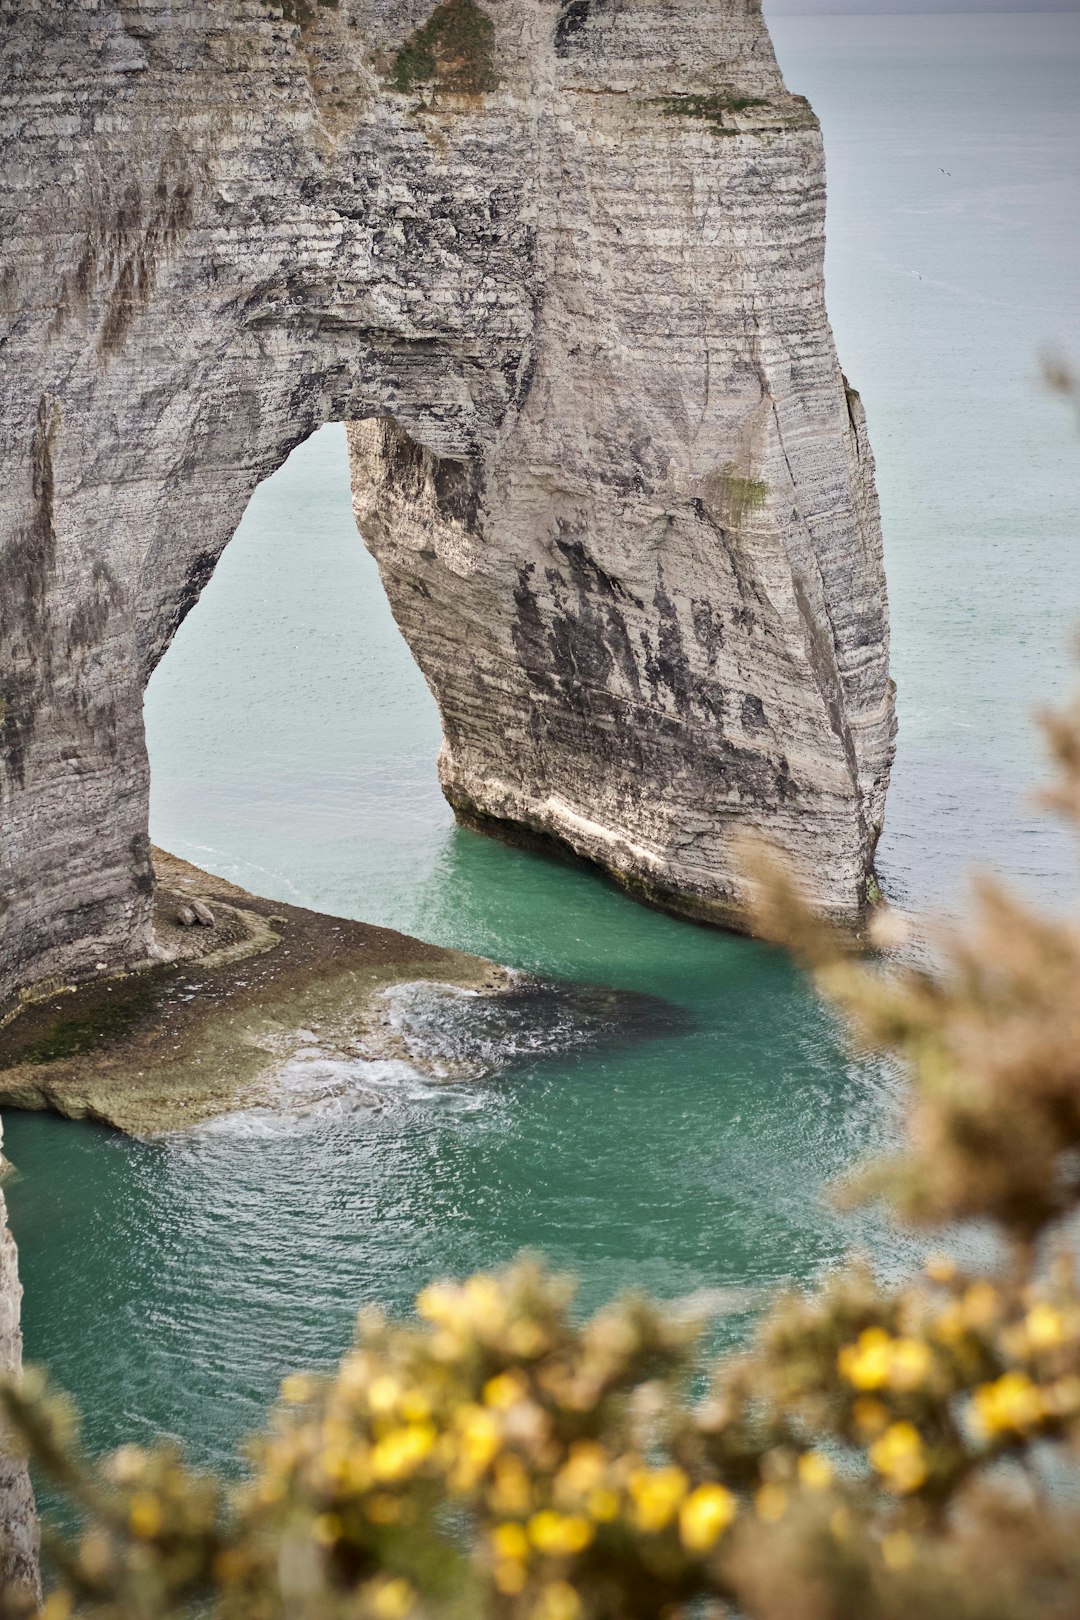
<point x="169" y="1285"/>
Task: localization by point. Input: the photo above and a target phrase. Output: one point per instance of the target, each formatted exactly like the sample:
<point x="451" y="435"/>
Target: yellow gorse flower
<point x="1011" y="1404"/>
<point x="438" y="1303"/>
<point x="127" y="1465"/>
<point x="560" y="1535"/>
<point x="878" y="1361"/>
<point x="483" y="1304"/>
<point x="865" y="1364"/>
<point x="583" y="1471"/>
<point x="505" y="1390"/>
<point x="393" y="1600"/>
<point x="655" y="1494"/>
<point x="401" y="1451"/>
<point x="414" y="1406"/>
<point x="557" y="1601"/>
<point x="479" y="1434"/>
<point x="911" y="1360"/>
<point x="704" y="1516"/>
<point x="145" y="1516"/>
<point x="478" y="1442"/>
<point x="815" y="1471"/>
<point x="1047" y="1328"/>
<point x="510" y="1541"/>
<point x="525" y="1338"/>
<point x="899" y="1457"/>
<point x="383" y="1394"/>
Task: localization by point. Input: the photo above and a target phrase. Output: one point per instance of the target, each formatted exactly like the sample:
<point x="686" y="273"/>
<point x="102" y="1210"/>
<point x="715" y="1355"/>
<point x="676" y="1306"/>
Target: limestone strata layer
<point x="18" y="1522"/>
<point x="561" y="265"/>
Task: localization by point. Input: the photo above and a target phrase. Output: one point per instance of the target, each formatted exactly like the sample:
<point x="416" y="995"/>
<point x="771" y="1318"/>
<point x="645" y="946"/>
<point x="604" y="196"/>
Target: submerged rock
<point x="426" y="1039"/>
<point x="463" y="1032"/>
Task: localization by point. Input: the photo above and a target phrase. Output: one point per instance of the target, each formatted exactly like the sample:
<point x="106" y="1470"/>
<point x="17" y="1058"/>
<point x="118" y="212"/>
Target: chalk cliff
<point x="649" y="599"/>
<point x="559" y="262"/>
<point x="18" y="1523"/>
<point x="561" y="265"/>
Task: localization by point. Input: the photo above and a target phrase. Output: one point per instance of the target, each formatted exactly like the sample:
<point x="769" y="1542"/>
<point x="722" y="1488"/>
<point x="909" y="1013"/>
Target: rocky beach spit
<point x="203" y="1027"/>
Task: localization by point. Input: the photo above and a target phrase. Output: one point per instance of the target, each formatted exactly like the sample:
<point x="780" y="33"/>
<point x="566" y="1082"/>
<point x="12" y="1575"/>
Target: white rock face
<point x="561" y="263"/>
<point x="18" y="1523"/>
<point x="651" y="604"/>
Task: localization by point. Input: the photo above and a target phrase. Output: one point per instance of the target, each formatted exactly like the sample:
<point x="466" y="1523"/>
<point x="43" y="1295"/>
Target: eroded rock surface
<point x="207" y="1030"/>
<point x="18" y="1522"/>
<point x="562" y="263"/>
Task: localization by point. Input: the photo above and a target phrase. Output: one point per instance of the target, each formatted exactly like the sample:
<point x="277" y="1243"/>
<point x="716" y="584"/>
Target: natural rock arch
<point x="562" y="270"/>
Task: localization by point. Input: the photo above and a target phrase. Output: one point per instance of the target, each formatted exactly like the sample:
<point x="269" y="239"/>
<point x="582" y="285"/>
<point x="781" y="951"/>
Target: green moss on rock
<point x="712" y="109"/>
<point x="106" y="1020"/>
<point x="454" y="50"/>
<point x="741" y="497"/>
<point x="304" y="12"/>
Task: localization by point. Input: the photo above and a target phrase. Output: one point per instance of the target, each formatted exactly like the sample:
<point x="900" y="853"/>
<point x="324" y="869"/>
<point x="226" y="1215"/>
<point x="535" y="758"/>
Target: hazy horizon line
<point x="901" y="8"/>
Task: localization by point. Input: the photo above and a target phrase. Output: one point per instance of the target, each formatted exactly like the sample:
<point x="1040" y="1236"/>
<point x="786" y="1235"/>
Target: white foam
<point x="313" y="1087"/>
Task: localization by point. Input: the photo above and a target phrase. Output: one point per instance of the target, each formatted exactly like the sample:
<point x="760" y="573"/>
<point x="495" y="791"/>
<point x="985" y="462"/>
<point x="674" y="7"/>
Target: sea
<point x="170" y="1284"/>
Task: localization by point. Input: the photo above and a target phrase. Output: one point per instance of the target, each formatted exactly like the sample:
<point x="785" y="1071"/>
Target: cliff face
<point x="651" y="603"/>
<point x="18" y="1524"/>
<point x="561" y="264"/>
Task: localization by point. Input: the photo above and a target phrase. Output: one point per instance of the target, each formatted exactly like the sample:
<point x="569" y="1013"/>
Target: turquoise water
<point x="293" y="748"/>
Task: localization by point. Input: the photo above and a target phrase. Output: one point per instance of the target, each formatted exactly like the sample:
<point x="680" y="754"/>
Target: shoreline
<point x="198" y="1031"/>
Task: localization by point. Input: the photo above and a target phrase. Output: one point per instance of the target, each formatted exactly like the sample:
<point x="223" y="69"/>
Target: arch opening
<point x="292" y="739"/>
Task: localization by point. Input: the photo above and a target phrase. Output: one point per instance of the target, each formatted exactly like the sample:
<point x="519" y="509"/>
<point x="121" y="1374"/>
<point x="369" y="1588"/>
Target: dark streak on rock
<point x="708" y="628"/>
<point x="26" y="571"/>
<point x="458" y="487"/>
<point x="142" y="866"/>
<point x="195" y="582"/>
<point x="753" y="715"/>
<point x="573" y="16"/>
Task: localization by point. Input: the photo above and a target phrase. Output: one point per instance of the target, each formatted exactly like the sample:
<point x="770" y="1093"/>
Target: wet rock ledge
<point x="201" y="1029"/>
